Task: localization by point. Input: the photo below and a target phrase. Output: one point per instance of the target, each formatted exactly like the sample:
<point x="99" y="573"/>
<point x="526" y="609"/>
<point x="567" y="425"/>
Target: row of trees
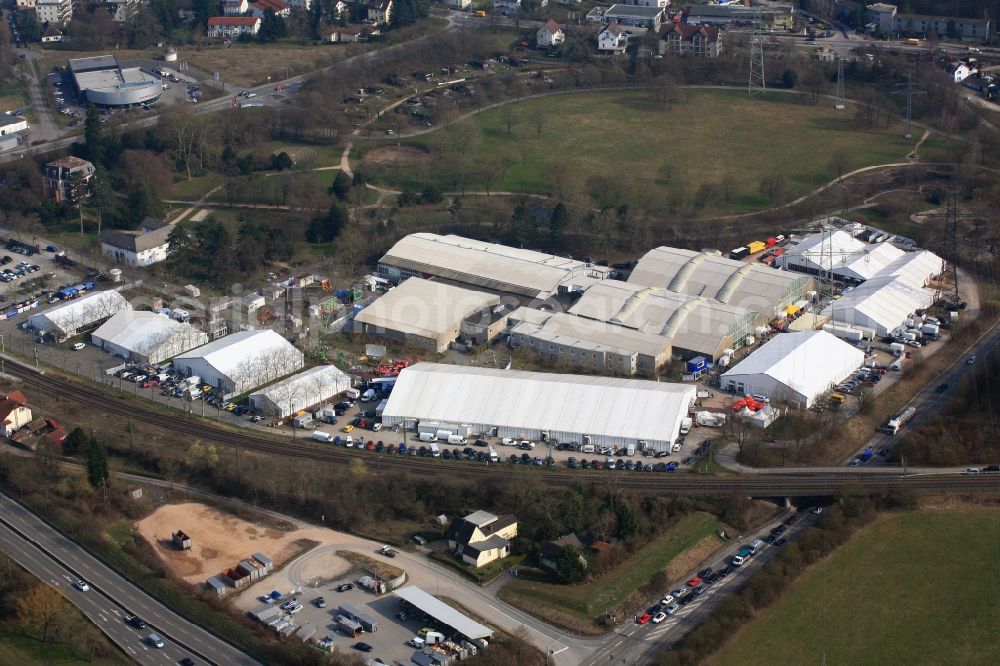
<point x="208" y="250"/>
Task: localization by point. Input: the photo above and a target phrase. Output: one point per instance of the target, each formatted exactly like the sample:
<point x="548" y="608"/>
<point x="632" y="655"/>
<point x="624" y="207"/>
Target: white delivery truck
<point x="443" y="435"/>
<point x="456" y="439"/>
<point x="493" y="455"/>
<point x="686" y="425"/>
<point x="368" y="395"/>
<point x="426" y="437"/>
<point x="352" y="393"/>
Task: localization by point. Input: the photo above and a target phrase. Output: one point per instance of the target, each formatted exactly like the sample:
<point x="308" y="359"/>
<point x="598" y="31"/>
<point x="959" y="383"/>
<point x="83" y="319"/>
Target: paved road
<point x="639" y="644"/>
<point x="58" y="560"/>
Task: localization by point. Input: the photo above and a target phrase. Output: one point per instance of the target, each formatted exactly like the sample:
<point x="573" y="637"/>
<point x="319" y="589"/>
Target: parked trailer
<point x="756" y="246"/>
<point x="738" y="253"/>
<point x="898" y="421"/>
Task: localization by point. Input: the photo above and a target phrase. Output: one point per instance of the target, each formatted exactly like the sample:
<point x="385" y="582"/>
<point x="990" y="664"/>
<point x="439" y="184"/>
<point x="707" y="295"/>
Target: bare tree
<point x="538" y="117"/>
<point x="510" y="117"/>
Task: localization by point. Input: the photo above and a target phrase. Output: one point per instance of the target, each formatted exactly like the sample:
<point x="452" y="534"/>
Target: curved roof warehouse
<point x="102" y="81"/>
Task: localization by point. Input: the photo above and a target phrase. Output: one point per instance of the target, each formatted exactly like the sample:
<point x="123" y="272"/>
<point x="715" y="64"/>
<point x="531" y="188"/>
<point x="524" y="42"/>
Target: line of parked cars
<point x="20" y="270"/>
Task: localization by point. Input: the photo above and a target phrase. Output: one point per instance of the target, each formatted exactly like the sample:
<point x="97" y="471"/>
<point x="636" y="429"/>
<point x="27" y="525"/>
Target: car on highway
<point x="659" y="617"/>
<point x="81" y="585"/>
<point x="363" y="647"/>
<point x="855" y="462"/>
<point x="971" y="470"/>
<point x="816" y="510"/>
<point x="972" y="359"/>
<point x="694" y="582"/>
<point x="941" y="388"/>
<point x="137" y="622"/>
<point x="644" y="618"/>
<point x="155" y="640"/>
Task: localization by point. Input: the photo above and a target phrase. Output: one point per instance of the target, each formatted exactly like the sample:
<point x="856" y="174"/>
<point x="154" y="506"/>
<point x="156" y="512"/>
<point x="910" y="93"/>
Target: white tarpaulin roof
<point x="232" y="355"/>
<point x="882" y="303"/>
<point x="80" y="312"/>
<point x="602" y="406"/>
<point x="847" y="255"/>
<point x="915" y="267"/>
<point x="142" y="331"/>
<point x="424" y="307"/>
<point x="808" y="363"/>
<point x="444" y="613"/>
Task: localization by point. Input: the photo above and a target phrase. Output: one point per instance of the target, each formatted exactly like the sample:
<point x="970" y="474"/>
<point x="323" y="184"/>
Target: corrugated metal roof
<point x="496" y="267"/>
<point x="600" y="406"/>
<point x="808" y="363"/>
<point x="424" y="307"/>
<point x="687" y="322"/>
<point x="589" y="334"/>
<point x="747" y="285"/>
<point x="444" y="613"/>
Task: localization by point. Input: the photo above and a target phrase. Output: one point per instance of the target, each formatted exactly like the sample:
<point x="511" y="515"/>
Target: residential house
<point x="235" y="7"/>
<point x="279" y="7"/>
<point x="62" y="177"/>
<point x="122" y="10"/>
<point x="631" y="15"/>
<point x="684" y="39"/>
<point x="15" y="125"/>
<point x="885" y="19"/>
<point x="481" y="537"/>
<point x="136" y="248"/>
<point x="380" y="11"/>
<point x="549" y="35"/>
<point x="958" y="71"/>
<point x="613" y="39"/>
<point x="458" y="4"/>
<point x="232" y="27"/>
<point x="14" y="413"/>
<point x="52" y="34"/>
<point x="550" y="551"/>
<point x="54" y="11"/>
<point x="352" y="33"/>
<point x="25" y="4"/>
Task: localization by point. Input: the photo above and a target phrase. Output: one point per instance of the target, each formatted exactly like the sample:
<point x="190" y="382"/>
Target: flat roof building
<point x="146" y="337"/>
<point x="102" y="81"/>
<point x="300" y="391"/>
<point x="474" y="263"/>
<point x="81" y="314"/>
<point x="423" y="312"/>
<point x="242" y="361"/>
<point x="539" y="406"/>
<point x="795" y="368"/>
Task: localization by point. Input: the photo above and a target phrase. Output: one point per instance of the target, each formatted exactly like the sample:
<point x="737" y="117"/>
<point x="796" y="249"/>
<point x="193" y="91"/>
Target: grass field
<point x="918" y="588"/>
<point x="629" y="137"/>
<point x="588" y="601"/>
<point x="16" y="648"/>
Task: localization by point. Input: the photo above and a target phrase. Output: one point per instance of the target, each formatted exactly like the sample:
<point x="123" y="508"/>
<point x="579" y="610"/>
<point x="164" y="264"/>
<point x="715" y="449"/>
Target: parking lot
<point x="388" y="643"/>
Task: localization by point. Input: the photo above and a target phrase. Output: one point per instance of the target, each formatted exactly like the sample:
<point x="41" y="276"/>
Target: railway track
<point x="785" y="485"/>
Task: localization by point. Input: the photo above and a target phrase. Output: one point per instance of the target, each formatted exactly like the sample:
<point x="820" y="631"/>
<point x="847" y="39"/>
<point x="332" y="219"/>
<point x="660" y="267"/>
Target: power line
<point x="839" y="105"/>
<point x="756" y="84"/>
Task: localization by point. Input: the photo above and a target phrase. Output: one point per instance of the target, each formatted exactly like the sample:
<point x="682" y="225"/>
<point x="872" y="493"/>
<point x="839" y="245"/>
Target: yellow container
<point x="756" y="246"/>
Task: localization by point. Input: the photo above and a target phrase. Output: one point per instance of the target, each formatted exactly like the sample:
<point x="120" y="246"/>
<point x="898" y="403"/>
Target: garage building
<point x="300" y="391"/>
<point x="478" y="264"/>
<point x="79" y="315"/>
<point x="539" y="406"/>
<point x="424" y="313"/>
<point x="795" y="368"/>
<point x="242" y="361"/>
<point x="146" y="337"/>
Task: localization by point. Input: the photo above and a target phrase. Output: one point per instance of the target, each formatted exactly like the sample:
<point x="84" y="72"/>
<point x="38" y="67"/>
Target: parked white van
<point x="321" y="436"/>
<point x="427" y="437"/>
<point x="456" y="439"/>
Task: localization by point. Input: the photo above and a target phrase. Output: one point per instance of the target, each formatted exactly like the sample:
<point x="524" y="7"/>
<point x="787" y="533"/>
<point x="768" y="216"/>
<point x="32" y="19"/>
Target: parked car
<point x="694" y="582"/>
<point x="659" y="617"/>
<point x="644" y="618"/>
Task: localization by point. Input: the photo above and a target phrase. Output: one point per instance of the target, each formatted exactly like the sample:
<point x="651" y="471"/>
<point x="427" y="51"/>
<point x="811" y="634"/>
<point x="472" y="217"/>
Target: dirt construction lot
<point x="218" y="540"/>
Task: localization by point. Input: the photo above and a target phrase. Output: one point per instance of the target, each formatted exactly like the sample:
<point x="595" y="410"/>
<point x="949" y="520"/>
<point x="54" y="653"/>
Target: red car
<point x="644" y="618"/>
<point x="694" y="582"/>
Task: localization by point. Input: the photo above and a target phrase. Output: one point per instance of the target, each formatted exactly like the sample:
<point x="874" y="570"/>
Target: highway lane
<point x="127" y="597"/>
<point x="107" y="615"/>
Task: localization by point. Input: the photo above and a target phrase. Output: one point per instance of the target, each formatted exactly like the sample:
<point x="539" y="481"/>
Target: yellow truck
<point x="756" y="246"/>
<point x="480" y="13"/>
<point x="913" y="42"/>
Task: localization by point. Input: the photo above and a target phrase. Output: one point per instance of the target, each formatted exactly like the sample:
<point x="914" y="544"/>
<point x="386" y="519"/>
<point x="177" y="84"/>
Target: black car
<point x="630" y="465"/>
<point x="770" y="538"/>
<point x="364" y="647"/>
<point x="137" y="622"/>
<point x="777" y="530"/>
<point x="572" y="463"/>
<point x="941" y="388"/>
<point x="525" y="459"/>
<point x="700" y="590"/>
<point x="781" y="542"/>
<point x="186" y="661"/>
<point x="714" y="578"/>
<point x="446" y="454"/>
<point x="620" y="464"/>
<point x="653" y="610"/>
<point x="585" y="464"/>
<point x="480" y="442"/>
<point x="705" y="573"/>
<point x="514" y="459"/>
<point x="469" y="451"/>
<point x="686" y="600"/>
<point x="482" y="457"/>
<point x="725" y="571"/>
<point x="345" y="587"/>
<point x="662" y="454"/>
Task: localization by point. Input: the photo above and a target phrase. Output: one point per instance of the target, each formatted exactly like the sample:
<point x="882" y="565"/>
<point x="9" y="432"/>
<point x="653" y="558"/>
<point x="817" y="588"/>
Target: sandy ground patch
<point x="396" y="156"/>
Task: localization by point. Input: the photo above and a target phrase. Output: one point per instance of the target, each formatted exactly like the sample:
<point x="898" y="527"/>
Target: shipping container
<point x="771" y="242"/>
<point x="756" y="246"/>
